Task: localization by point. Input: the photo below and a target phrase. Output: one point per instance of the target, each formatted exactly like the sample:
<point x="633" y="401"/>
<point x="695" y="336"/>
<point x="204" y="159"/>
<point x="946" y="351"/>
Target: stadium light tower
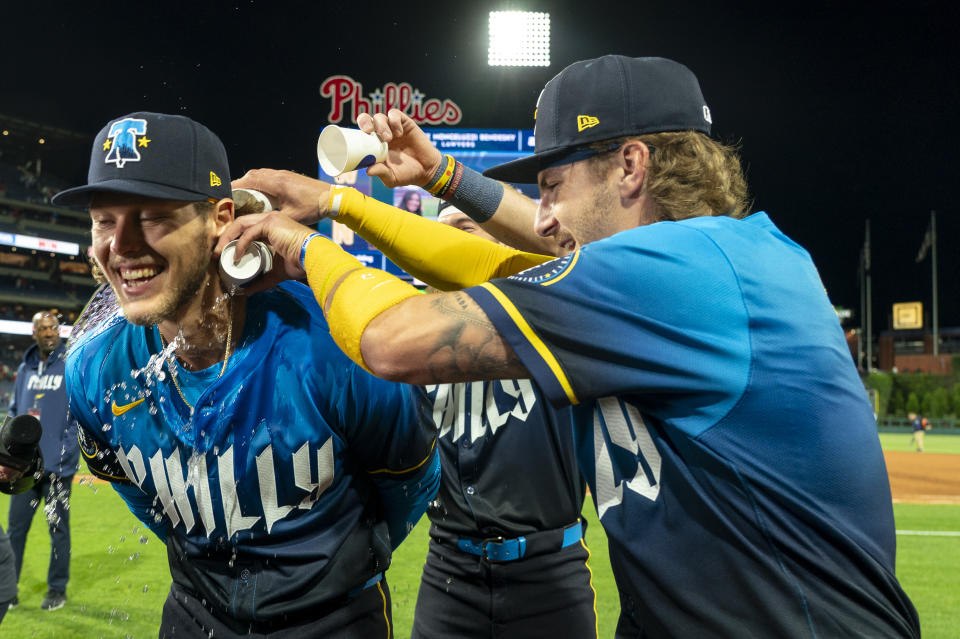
<point x="519" y="39"/>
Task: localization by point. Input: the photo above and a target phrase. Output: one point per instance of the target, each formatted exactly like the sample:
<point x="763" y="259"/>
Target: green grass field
<point x="119" y="573"/>
<point x="933" y="442"/>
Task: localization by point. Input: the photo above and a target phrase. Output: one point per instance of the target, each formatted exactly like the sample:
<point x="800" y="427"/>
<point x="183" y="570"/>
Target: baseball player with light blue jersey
<point x="279" y="474"/>
<point x="719" y="420"/>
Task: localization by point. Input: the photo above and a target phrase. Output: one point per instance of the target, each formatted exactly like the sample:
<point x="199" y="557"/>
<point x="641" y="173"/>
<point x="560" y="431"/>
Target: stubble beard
<point x="180" y="293"/>
<point x="592" y="223"/>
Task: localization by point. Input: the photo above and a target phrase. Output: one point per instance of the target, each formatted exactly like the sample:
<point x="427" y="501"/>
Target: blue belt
<point x="500" y="549"/>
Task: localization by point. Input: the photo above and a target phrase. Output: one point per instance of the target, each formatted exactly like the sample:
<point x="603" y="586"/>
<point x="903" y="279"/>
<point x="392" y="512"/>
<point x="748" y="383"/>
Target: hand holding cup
<point x="341" y="150"/>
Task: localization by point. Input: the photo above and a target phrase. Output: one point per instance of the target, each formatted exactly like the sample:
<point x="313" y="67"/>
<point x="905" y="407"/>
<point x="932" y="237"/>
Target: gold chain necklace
<point x="226" y="353"/>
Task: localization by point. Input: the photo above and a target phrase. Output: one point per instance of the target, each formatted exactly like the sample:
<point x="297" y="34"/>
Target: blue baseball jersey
<point x="290" y="482"/>
<point x="722" y="427"/>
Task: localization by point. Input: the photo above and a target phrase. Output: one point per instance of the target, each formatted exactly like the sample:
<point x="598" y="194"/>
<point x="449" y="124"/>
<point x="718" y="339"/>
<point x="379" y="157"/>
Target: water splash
<point x="152" y="372"/>
<point x="100" y="313"/>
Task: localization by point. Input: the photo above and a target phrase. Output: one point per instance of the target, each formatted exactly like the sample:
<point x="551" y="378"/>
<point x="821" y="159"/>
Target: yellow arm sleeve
<point x="444" y="257"/>
<point x="362" y="294"/>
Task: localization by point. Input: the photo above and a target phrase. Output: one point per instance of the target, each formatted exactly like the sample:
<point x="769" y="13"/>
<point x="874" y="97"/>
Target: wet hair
<point x="95" y="271"/>
<point x="243" y="204"/>
<point x="689" y="175"/>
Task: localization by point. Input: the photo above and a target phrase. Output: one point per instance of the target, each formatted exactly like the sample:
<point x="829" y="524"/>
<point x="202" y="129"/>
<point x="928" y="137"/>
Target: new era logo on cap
<point x="606" y="98"/>
<point x="168" y="157"/>
<point x="586" y="121"/>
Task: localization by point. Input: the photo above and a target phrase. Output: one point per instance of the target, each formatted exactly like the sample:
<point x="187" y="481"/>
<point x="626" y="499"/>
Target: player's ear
<point x="634" y="156"/>
<point x="223" y="214"/>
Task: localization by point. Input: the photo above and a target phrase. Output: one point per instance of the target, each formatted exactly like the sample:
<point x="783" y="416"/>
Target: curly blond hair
<point x="689" y="175"/>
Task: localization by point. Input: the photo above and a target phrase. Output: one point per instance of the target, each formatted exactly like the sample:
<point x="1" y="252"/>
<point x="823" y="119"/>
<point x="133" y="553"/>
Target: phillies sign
<point x="346" y="94"/>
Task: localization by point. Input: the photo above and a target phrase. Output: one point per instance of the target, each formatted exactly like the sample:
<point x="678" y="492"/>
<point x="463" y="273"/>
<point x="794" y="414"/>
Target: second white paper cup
<point x="341" y="150"/>
<point x="255" y="261"/>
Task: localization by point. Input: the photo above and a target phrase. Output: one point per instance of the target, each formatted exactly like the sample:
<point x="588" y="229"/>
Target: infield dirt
<point x="923" y="478"/>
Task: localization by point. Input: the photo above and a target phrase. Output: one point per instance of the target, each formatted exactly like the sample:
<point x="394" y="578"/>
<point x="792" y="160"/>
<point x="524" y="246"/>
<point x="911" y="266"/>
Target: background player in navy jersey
<point x="724" y="432"/>
<point x="505" y="556"/>
<point x="279" y="474"/>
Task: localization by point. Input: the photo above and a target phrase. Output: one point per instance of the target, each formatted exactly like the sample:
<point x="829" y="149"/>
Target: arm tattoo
<point x="469" y="346"/>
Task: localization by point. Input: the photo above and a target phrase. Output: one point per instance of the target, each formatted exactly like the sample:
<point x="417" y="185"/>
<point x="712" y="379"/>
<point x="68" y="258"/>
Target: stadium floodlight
<point x="519" y="39"/>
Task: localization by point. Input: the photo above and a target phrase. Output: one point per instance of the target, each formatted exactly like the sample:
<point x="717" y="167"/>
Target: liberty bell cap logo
<point x="123" y="139"/>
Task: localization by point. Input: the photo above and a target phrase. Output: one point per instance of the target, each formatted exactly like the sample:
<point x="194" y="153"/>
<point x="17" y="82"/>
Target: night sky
<point x="845" y="111"/>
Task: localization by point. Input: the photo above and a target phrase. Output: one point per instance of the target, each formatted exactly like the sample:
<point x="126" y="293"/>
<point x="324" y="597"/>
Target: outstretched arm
<point x="380" y="321"/>
<point x="433" y="339"/>
<point x="502" y="211"/>
<point x="443" y="257"/>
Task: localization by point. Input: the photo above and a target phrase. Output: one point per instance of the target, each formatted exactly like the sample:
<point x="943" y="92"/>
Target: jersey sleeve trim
<point x="564" y="272"/>
<point x="532" y="351"/>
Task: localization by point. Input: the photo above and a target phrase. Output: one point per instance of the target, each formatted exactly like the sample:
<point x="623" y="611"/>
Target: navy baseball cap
<point x="604" y="98"/>
<point x="169" y="157"/>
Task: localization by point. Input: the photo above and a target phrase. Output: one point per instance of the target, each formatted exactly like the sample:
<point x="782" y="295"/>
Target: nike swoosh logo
<point x="120" y="410"/>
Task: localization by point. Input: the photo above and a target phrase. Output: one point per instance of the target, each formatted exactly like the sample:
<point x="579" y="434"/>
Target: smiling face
<point x="156" y="254"/>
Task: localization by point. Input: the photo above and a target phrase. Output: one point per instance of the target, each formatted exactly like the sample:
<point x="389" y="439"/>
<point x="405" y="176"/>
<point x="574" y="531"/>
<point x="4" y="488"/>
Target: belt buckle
<point x="483" y="548"/>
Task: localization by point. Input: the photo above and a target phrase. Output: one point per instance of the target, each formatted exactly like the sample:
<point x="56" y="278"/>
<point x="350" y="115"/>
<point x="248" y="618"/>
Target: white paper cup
<point x="255" y="201"/>
<point x="343" y="150"/>
<point x="256" y="260"/>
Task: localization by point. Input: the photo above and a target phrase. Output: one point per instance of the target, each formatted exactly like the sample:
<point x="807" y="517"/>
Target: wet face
<point x="576" y="206"/>
<point x="156" y="254"/>
<point x="463" y="222"/>
<point x="46" y="333"/>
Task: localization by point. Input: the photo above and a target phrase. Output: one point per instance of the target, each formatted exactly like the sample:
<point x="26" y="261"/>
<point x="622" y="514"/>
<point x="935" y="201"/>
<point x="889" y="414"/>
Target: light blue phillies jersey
<point x="722" y="427"/>
<point x="278" y="492"/>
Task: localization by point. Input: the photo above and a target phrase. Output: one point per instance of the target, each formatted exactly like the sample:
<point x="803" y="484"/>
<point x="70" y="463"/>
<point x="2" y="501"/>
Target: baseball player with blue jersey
<point x="505" y="526"/>
<point x="279" y="474"/>
<point x="725" y="435"/>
